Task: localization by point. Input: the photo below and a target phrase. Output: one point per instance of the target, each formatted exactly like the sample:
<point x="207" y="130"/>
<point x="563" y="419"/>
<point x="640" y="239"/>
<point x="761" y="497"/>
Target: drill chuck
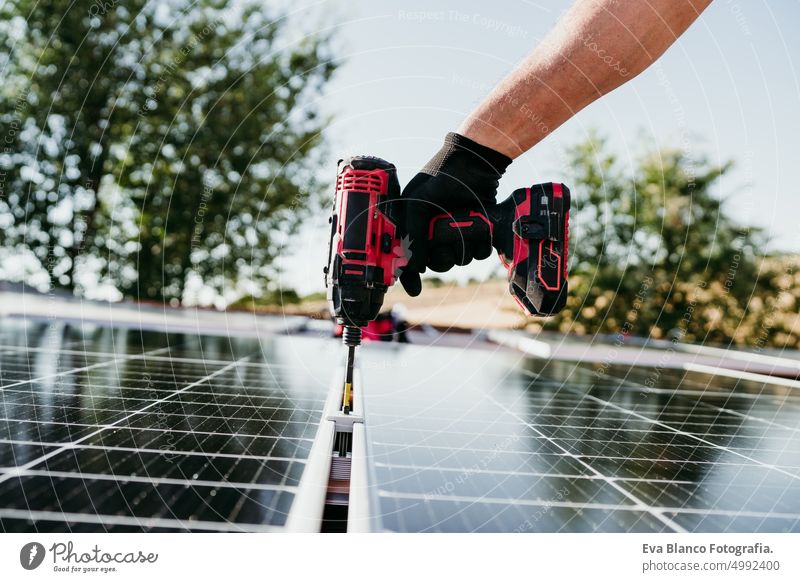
<point x="351" y="336"/>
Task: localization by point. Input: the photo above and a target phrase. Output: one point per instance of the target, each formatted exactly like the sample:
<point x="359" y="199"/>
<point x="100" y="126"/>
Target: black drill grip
<point x="529" y="229"/>
<point x="466" y="233"/>
<point x="462" y="226"/>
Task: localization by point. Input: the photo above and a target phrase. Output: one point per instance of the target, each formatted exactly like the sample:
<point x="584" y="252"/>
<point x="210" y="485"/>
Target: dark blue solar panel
<point x="463" y="441"/>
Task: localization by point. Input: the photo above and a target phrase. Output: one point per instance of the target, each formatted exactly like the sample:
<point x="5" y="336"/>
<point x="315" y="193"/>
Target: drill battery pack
<point x="535" y="249"/>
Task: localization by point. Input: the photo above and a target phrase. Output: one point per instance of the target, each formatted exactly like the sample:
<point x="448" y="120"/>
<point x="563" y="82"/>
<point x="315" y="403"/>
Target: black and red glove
<point x="461" y="178"/>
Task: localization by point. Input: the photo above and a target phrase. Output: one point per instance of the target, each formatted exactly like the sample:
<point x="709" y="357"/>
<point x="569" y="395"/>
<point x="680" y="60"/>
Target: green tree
<point x="655" y="253"/>
<point x="71" y="67"/>
<point x="156" y="143"/>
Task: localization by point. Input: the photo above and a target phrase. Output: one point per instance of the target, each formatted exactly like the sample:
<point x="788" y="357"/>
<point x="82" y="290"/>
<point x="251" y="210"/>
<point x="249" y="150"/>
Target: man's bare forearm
<point x="597" y="46"/>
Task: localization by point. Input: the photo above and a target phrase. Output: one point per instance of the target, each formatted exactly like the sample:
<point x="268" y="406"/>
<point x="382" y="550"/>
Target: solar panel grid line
<point x="433" y="419"/>
<point x="253" y="409"/>
<point x="701" y="393"/>
<point x="186" y="402"/>
<point x="751" y="417"/>
<point x="255" y="438"/>
<point x="116" y="360"/>
<point x="737" y="513"/>
<point x="603" y="441"/>
<point x="70" y="445"/>
<point x="23" y="350"/>
<point x="760" y="486"/>
<point x="704" y="389"/>
<point x="182" y="431"/>
<point x="602" y="506"/>
<point x="575" y="410"/>
<point x="626" y="430"/>
<point x="73" y="424"/>
<point x="722" y="409"/>
<point x="160" y="451"/>
<point x="783" y="401"/>
<point x="764" y="475"/>
<point x="143" y="523"/>
<point x="535" y="474"/>
<point x="605" y="419"/>
<point x="165" y="414"/>
<point x="441" y="447"/>
<point x="677" y="461"/>
<point x="480" y="450"/>
<point x="742" y="375"/>
<point x="251" y="397"/>
<point x="478" y="499"/>
<point x="157" y="480"/>
<point x="667" y="414"/>
<point x="513" y="501"/>
<point x="157" y="429"/>
<point x="622" y="437"/>
<point x="637" y="501"/>
<point x="218" y="362"/>
<point x="684" y="433"/>
<point x="758" y="400"/>
<point x="600" y="446"/>
<point x="757" y="442"/>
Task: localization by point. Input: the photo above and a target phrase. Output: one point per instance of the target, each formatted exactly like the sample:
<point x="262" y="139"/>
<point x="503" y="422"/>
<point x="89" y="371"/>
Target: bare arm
<point x="597" y="46"/>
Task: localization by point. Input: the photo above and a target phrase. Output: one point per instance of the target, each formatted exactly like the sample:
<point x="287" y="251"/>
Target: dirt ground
<point x="485" y="305"/>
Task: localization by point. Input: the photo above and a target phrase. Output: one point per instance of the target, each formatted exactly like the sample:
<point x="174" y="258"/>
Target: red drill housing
<point x="365" y="250"/>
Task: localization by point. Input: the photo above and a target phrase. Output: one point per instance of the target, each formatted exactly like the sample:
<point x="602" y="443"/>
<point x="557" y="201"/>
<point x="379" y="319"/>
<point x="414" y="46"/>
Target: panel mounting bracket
<point x="345" y="422"/>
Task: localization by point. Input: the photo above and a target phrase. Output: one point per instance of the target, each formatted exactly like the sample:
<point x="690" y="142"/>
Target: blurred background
<point x="181" y="153"/>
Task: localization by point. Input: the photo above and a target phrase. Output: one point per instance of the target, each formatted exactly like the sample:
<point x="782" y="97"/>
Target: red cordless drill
<point x="365" y="255"/>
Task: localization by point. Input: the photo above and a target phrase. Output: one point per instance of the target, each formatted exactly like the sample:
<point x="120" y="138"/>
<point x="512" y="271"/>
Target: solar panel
<point x="461" y="441"/>
<point x="106" y="429"/>
<point x="121" y="430"/>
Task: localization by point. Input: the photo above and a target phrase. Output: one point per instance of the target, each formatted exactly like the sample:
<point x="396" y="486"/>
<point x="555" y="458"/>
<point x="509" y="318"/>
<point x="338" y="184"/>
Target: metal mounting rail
<point x="309" y="503"/>
<point x="336" y="469"/>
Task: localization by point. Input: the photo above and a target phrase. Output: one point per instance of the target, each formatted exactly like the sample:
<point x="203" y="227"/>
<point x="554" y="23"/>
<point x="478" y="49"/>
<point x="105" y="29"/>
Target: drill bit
<point x="348" y="380"/>
<point x="344" y="438"/>
<point x="351" y="338"/>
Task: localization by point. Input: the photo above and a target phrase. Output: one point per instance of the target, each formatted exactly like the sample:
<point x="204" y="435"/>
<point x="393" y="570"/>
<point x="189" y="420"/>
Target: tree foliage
<point x="657" y="254"/>
<point x="153" y="144"/>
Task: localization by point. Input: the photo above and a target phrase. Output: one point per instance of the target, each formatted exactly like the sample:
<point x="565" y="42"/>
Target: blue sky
<point x="728" y="89"/>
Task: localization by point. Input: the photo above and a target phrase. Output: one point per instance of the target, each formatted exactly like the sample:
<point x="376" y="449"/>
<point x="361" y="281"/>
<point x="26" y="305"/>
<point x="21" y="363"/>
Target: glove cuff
<point x="466" y="152"/>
